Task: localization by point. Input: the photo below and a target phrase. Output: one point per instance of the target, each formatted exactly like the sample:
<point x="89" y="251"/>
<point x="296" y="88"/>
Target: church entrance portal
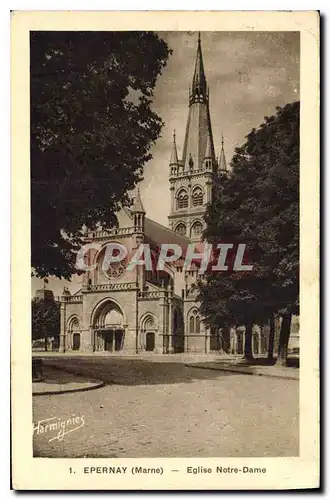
<point x="113" y="339"/>
<point x="109" y="332"/>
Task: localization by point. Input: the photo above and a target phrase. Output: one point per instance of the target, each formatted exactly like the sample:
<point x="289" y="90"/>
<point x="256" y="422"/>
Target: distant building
<point x="44" y="294"/>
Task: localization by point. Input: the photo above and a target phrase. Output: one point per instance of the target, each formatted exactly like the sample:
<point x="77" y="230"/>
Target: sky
<point x="248" y="73"/>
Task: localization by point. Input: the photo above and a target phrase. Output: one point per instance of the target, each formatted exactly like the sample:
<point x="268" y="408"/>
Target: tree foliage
<point x="92" y="127"/>
<point x="45" y="318"/>
<point x="258" y="204"/>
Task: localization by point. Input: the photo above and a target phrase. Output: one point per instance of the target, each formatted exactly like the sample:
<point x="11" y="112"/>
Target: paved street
<point x="154" y="408"/>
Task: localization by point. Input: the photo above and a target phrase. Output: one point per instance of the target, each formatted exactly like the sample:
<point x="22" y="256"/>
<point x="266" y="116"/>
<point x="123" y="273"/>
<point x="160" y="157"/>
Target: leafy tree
<point x="92" y="127"/>
<point x="45" y="319"/>
<point x="258" y="204"/>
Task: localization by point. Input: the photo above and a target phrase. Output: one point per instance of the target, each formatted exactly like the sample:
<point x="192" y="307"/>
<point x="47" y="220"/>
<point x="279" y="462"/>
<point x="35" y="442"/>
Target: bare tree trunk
<point x="271" y="338"/>
<point x="248" y="355"/>
<point x="284" y="339"/>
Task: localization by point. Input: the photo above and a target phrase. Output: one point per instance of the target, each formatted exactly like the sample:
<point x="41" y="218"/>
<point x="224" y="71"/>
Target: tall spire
<point x="198" y="129"/>
<point x="138" y="205"/>
<point x="174" y="154"/>
<point x="199" y="86"/>
<point x="222" y="164"/>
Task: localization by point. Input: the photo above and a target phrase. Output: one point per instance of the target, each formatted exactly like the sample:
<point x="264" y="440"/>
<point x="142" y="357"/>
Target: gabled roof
<point x="157" y="234"/>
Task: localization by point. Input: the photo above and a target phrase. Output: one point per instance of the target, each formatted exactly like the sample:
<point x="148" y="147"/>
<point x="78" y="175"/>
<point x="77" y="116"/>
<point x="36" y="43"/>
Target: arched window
<point x="197" y="229"/>
<point x="181" y="229"/>
<point x="182" y="199"/>
<point x="197" y="197"/>
<point x="192" y="324"/>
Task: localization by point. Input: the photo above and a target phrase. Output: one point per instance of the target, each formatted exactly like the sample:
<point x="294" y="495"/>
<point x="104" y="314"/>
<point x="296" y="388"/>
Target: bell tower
<point x="191" y="177"/>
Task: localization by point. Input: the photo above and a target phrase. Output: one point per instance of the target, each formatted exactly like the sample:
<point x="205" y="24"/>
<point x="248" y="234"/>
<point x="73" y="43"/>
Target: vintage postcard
<point x="165" y="235"/>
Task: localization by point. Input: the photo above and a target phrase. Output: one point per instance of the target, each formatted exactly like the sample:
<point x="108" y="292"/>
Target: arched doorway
<point x="108" y="325"/>
<point x="148" y="333"/>
<point x="74" y="333"/>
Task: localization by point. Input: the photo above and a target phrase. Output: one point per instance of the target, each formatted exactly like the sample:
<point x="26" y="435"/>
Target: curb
<point x="97" y="385"/>
<point x="242" y="372"/>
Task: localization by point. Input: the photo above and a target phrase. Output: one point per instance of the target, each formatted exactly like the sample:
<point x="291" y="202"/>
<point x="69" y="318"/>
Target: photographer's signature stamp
<point x="60" y="426"/>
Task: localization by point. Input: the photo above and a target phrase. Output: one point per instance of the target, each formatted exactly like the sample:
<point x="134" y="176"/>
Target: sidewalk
<point x="239" y="366"/>
<point x="55" y="381"/>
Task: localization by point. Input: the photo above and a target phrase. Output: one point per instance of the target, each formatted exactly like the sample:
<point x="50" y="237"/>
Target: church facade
<point x="155" y="311"/>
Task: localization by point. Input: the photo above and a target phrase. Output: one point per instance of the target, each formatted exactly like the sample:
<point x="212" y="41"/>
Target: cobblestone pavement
<point x="149" y="408"/>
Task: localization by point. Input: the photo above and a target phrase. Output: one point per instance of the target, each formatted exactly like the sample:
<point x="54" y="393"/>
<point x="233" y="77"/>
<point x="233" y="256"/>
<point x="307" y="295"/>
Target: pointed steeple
<point x="138" y="206"/>
<point x="198" y="129"/>
<point x="174" y="154"/>
<point x="222" y="164"/>
<point x="199" y="86"/>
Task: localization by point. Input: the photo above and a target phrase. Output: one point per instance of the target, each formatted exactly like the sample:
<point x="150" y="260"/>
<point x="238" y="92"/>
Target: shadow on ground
<point x="292" y="362"/>
<point x="56" y="376"/>
<point x="128" y="371"/>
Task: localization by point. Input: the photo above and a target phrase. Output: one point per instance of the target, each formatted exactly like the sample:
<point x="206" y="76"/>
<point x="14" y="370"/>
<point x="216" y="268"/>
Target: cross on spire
<point x="174" y="154"/>
<point x="199" y="85"/>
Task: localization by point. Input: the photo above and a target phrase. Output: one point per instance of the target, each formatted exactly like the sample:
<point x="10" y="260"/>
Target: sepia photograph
<point x="165" y="141"/>
<point x="165" y="292"/>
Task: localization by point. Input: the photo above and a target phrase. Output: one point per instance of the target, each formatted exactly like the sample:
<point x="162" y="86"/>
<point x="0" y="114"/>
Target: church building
<point x="155" y="311"/>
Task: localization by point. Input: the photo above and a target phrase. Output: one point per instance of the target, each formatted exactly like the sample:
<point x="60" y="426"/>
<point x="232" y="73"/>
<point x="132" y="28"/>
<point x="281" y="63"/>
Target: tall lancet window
<point x="194" y="322"/>
<point x="182" y="199"/>
<point x="197" y="197"/>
